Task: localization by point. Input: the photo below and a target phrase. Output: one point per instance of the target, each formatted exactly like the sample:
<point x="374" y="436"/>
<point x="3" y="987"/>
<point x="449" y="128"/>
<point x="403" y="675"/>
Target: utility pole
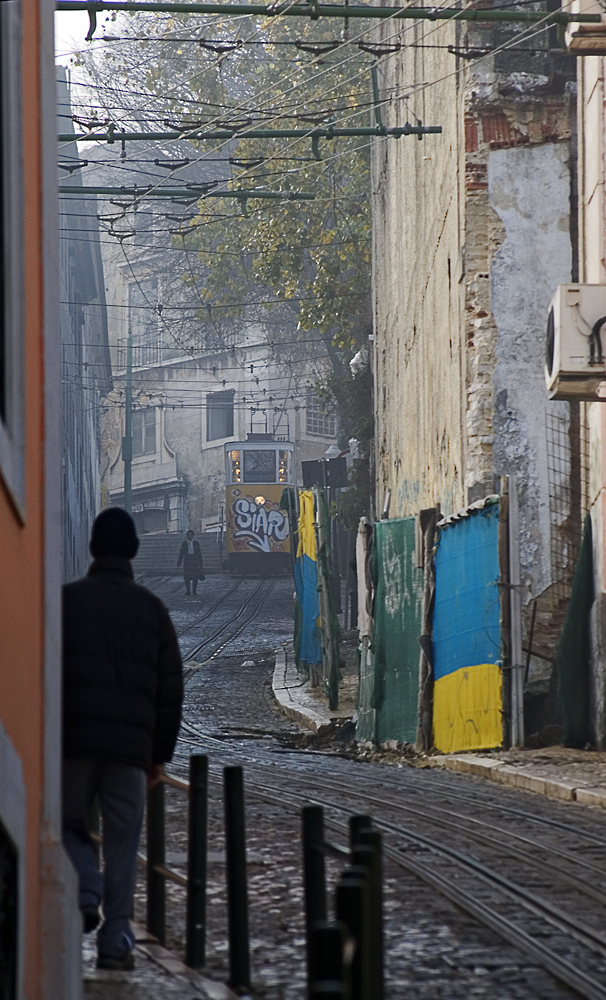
<point x="127" y="440"/>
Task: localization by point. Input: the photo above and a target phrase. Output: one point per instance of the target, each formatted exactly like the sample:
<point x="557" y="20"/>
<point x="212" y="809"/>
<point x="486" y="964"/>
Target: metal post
<point x="127" y="440"/>
<point x="357" y="823"/>
<point x="196" y="862"/>
<point x="156" y="901"/>
<point x="515" y="604"/>
<point x="352" y="910"/>
<point x="237" y="896"/>
<point x="314" y="877"/>
<point x="372" y="838"/>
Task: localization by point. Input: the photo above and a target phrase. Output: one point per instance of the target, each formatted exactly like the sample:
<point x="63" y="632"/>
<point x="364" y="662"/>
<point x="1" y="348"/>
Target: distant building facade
<point x="86" y="376"/>
<point x="191" y="396"/>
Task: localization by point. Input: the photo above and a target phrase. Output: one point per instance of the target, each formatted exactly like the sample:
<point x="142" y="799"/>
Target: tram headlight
<point x="259" y="501"/>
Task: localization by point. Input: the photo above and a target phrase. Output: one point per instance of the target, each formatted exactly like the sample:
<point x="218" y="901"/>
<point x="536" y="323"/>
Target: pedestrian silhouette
<point x="122" y="695"/>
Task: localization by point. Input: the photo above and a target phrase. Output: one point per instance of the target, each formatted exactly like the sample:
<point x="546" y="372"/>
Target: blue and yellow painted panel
<point x="306" y="582"/>
<point x="467" y="635"/>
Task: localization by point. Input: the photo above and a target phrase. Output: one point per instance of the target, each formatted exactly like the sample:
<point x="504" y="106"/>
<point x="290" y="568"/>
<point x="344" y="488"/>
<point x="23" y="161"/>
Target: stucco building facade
<point x="473" y="231"/>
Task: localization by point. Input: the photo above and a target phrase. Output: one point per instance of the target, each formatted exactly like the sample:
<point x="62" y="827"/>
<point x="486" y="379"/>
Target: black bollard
<point x="328" y="940"/>
<point x="372" y="838"/>
<point x="353" y="911"/>
<point x="328" y="990"/>
<point x="314" y="876"/>
<point x="237" y="898"/>
<point x="156" y="895"/>
<point x="195" y="942"/>
<point x="365" y="856"/>
<point x="357" y="823"/>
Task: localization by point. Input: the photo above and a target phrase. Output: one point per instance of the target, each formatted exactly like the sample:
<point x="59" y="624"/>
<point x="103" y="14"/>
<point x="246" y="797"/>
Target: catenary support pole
<point x="156" y="897"/>
<point x="195" y="945"/>
<point x="515" y="605"/>
<point x="237" y="894"/>
<point x="127" y="440"/>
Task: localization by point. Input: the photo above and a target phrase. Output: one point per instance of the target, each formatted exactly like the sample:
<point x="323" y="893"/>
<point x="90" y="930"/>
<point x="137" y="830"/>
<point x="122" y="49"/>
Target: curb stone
<point x="518" y="777"/>
<point x="209" y="989"/>
<point x="285" y="681"/>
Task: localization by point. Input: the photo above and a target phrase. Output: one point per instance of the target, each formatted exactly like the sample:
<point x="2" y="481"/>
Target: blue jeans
<point x="120" y="789"/>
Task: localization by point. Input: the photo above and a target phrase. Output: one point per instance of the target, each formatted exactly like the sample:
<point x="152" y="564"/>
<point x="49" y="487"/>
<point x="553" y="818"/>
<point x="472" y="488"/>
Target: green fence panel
<point x="397" y="627"/>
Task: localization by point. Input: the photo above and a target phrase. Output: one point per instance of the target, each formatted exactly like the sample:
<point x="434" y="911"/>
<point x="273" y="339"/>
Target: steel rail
<point x="486" y="838"/>
<point x="536" y="905"/>
<point x="564" y="970"/>
<point x="210" y="611"/>
<point x="561" y="968"/>
<point x="403" y="786"/>
<point x="234" y="635"/>
<point x="581" y="885"/>
<point x="315" y="10"/>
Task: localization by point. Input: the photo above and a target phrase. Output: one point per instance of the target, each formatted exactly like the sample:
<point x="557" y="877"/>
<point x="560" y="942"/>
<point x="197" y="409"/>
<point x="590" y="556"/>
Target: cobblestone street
<point x="433" y="948"/>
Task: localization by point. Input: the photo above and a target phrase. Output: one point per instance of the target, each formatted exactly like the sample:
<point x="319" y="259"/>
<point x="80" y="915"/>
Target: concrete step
<point x="158" y="555"/>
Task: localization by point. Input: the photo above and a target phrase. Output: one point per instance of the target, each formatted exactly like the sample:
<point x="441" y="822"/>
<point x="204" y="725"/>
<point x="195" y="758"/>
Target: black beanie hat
<point x="114" y="534"/>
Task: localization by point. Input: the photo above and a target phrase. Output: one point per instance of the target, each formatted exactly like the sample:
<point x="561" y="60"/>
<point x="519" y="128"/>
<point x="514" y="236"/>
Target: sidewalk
<point x="559" y="772"/>
<point x="158" y="975"/>
<point x="306" y="705"/>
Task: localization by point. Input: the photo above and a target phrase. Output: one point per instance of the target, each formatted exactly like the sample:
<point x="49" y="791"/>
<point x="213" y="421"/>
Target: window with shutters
<point x="219" y="415"/>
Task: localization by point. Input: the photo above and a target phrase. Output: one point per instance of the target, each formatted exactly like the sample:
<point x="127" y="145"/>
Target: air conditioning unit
<point x="586" y="39"/>
<point x="574" y="346"/>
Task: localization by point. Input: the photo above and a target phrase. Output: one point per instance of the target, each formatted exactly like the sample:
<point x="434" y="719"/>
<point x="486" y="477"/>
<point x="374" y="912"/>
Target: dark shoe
<point x="124" y="964"/>
<point x="91" y="918"/>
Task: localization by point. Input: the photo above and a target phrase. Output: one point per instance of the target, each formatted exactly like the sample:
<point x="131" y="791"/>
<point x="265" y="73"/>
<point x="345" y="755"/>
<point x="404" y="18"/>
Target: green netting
<point x="397" y="627"/>
<point x="573" y="652"/>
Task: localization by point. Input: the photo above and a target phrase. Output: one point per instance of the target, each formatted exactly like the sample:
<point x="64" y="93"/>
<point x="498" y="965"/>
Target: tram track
<point x="512" y="905"/>
<point x="265" y="588"/>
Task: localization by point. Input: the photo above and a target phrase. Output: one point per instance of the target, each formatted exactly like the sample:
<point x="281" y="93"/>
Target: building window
<point x="219" y="415"/>
<point x="12" y="416"/>
<point x="144" y="432"/>
<point x="144" y="321"/>
<point x="319" y="419"/>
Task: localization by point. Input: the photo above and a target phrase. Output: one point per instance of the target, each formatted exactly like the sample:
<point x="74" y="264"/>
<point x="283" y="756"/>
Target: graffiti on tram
<point x="255" y="523"/>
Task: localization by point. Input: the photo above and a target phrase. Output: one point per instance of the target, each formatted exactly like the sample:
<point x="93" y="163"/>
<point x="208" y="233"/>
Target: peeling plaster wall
<point x="418" y="296"/>
<point x="529" y="189"/>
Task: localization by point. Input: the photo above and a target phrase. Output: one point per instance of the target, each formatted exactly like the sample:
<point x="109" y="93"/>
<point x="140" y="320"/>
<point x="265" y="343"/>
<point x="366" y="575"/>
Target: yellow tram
<point x="257" y="537"/>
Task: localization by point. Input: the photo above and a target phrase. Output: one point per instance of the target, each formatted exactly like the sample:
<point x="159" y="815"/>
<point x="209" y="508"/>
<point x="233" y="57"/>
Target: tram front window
<point x="259" y="466"/>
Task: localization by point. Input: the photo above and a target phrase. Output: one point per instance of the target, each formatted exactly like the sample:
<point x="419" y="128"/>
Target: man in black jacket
<point x="190" y="555"/>
<point x="122" y="695"/>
